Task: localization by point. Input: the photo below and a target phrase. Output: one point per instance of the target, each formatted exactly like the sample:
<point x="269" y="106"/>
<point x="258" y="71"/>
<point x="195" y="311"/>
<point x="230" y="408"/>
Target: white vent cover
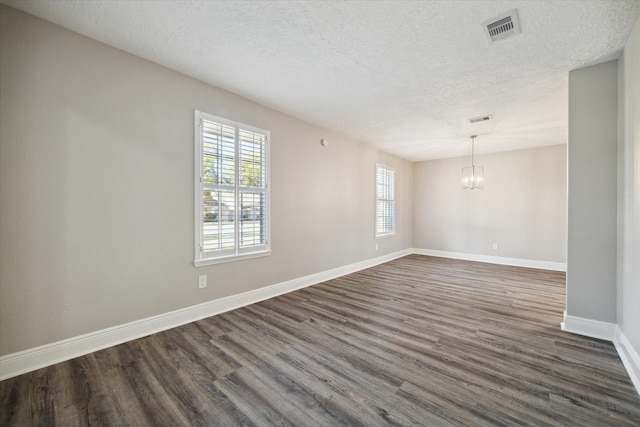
<point x="480" y="119"/>
<point x="502" y="26"/>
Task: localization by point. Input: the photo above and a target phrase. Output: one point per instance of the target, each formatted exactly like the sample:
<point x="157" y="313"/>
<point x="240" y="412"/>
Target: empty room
<point x="318" y="213"/>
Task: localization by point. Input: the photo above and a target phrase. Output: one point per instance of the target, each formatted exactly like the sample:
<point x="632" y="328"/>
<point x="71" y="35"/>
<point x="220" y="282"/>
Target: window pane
<point x="218" y="220"/>
<point x="252" y="225"/>
<point x="385" y="216"/>
<point x="252" y="159"/>
<point x="218" y="153"/>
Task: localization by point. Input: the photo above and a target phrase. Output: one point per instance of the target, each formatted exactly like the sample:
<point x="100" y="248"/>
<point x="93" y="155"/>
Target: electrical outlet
<point x="495" y="246"/>
<point x="376" y="246"/>
<point x="202" y="281"/>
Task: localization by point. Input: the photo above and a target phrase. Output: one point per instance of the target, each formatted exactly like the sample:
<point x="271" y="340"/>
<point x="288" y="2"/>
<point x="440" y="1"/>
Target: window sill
<point x="231" y="258"/>
<point x="385" y="236"/>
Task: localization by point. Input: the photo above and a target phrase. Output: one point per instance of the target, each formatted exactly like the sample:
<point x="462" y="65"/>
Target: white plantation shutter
<point x="252" y="158"/>
<point x="231" y="181"/>
<point x="385" y="201"/>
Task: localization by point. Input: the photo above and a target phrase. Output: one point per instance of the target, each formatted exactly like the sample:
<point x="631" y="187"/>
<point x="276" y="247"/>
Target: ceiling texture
<point x="403" y="76"/>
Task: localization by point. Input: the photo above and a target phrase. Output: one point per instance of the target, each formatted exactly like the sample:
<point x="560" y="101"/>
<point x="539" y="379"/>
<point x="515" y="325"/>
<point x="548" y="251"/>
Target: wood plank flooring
<point x="416" y="341"/>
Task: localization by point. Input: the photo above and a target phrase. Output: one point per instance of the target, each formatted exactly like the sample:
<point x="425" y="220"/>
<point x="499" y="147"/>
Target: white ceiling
<point x="401" y="75"/>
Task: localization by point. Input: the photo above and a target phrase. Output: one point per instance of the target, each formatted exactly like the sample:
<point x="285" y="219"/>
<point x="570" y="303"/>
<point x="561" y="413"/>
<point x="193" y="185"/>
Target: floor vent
<point x="502" y="26"/>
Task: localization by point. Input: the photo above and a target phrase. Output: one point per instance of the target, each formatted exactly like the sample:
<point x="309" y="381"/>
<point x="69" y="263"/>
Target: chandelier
<point x="472" y="176"/>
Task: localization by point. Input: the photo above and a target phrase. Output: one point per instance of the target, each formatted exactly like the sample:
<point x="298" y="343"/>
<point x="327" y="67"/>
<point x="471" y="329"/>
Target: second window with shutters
<point x="385" y="201"/>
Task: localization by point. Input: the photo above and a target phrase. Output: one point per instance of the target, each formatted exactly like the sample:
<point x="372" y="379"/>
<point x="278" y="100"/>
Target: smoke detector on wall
<point x="502" y="26"/>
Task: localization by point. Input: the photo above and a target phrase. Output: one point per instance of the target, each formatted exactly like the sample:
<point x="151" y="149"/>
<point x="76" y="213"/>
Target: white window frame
<point x="200" y="257"/>
<point x="387" y="232"/>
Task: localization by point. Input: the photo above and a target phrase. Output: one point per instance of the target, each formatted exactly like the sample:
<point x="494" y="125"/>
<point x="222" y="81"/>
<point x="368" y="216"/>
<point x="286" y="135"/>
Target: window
<point x="385" y="201"/>
<point x="232" y="193"/>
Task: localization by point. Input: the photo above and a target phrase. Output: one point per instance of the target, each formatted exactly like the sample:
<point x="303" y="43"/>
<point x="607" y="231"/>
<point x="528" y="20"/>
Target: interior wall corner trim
<point x="28" y="360"/>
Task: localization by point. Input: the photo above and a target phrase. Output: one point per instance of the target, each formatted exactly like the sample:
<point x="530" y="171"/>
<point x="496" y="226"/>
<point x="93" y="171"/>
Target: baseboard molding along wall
<point x="588" y="327"/>
<point x="629" y="356"/>
<point x="31" y="359"/>
<point x="518" y="262"/>
<point x="609" y="332"/>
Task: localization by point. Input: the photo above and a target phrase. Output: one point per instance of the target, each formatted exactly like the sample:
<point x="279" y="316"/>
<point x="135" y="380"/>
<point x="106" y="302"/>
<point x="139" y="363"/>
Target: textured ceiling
<point x="401" y="75"/>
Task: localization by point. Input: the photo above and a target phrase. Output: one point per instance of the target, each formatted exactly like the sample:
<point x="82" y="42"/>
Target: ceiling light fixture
<point x="472" y="176"/>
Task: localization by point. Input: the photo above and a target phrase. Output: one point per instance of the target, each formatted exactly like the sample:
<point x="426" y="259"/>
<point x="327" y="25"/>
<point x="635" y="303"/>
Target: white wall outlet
<point x="376" y="246"/>
<point x="495" y="246"/>
<point x="202" y="281"/>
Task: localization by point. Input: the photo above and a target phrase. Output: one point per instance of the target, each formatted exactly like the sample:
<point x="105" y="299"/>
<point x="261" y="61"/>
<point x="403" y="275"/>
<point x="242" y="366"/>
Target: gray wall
<point x="591" y="259"/>
<point x="522" y="206"/>
<point x="96" y="189"/>
<point x="629" y="193"/>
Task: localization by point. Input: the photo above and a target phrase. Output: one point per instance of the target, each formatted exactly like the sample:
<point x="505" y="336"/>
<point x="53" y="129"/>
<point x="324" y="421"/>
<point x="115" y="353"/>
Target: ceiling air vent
<point x="502" y="26"/>
<point x="480" y="119"/>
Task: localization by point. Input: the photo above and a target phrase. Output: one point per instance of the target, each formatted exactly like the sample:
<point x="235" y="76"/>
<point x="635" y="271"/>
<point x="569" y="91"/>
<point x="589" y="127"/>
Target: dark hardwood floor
<point x="417" y="341"/>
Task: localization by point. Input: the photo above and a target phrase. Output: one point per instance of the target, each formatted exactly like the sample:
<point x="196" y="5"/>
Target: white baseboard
<point x="530" y="263"/>
<point x="28" y="360"/>
<point x="629" y="356"/>
<point x="588" y="327"/>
